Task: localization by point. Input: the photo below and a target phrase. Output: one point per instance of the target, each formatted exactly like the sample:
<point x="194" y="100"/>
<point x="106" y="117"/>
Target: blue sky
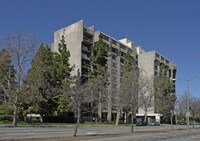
<point x="171" y="27"/>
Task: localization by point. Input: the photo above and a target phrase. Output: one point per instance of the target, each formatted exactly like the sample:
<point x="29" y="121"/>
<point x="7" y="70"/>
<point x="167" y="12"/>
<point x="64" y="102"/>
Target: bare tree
<point x="145" y="95"/>
<point x="129" y="93"/>
<point x="21" y="48"/>
<point x="194" y="107"/>
<point x="119" y="103"/>
<point x="183" y="104"/>
<point x="86" y="97"/>
<point x="77" y="97"/>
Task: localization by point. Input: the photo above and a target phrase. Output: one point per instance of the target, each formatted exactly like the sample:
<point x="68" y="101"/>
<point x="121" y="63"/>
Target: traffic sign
<point x="187" y="114"/>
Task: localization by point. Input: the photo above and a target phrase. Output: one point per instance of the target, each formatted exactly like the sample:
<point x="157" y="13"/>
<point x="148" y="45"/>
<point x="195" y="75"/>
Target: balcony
<point x="87" y="41"/>
<point x="88" y="32"/>
<point x="85" y="49"/>
<point x="85" y="65"/>
<point x="84" y="56"/>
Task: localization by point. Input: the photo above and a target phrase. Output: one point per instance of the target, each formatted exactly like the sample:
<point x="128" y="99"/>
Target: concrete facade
<point x="79" y="40"/>
<point x="150" y="63"/>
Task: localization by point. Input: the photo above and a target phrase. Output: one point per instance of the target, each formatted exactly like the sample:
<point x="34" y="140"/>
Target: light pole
<point x="188" y="99"/>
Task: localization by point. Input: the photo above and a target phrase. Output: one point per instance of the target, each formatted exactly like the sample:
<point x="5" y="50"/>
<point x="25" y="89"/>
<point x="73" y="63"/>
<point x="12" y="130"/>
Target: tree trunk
<point x="99" y="108"/>
<point x="145" y="116"/>
<point x="99" y="111"/>
<point x="14" y="123"/>
<point x="118" y="116"/>
<point x="172" y="121"/>
<point x="133" y="116"/>
<point x="77" y="121"/>
<point x="176" y="121"/>
<point x="193" y="121"/>
<point x="132" y="124"/>
<point x="109" y="116"/>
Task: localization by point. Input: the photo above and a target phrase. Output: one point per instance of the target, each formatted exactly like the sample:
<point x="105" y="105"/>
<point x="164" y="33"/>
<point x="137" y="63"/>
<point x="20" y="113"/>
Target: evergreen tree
<point x="164" y="93"/>
<point x="62" y="75"/>
<point x="49" y="74"/>
<point x="98" y="72"/>
<point x="99" y="58"/>
<point x="7" y="77"/>
<point x="128" y="63"/>
<point x="38" y="82"/>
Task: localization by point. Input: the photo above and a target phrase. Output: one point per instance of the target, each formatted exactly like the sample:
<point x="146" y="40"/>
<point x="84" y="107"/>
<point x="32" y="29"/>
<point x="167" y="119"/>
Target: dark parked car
<point x="154" y="123"/>
<point x="141" y="123"/>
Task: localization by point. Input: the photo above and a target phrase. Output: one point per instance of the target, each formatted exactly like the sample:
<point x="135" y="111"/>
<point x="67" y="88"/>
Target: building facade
<point x="81" y="39"/>
<point x="151" y="63"/>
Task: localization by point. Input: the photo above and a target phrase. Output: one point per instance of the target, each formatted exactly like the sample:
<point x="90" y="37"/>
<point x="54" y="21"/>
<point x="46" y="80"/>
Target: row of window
<point x="114" y="57"/>
<point x="162" y="58"/>
<point x="120" y="53"/>
<point x="116" y="43"/>
<point x="158" y="63"/>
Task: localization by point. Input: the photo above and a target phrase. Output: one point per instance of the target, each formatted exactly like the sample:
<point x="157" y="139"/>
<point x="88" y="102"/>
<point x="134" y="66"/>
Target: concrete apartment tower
<point x="80" y="40"/>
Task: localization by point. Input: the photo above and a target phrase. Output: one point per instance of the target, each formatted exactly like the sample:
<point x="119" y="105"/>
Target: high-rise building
<point x="81" y="39"/>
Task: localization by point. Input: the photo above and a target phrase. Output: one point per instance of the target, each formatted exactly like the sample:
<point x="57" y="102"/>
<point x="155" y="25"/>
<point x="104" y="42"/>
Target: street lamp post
<point x="188" y="99"/>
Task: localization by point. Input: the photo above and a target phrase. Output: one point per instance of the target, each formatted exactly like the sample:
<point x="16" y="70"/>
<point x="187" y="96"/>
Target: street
<point x="162" y="132"/>
<point x="192" y="135"/>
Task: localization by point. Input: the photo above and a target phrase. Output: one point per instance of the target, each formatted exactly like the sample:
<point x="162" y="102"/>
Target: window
<point x="122" y="46"/>
<point x="170" y="74"/>
<point x="157" y="55"/>
<point x="114" y="57"/>
<point x="122" y="54"/>
<point x="156" y="62"/>
<point x="156" y="68"/>
<point x="174" y="73"/>
<point x="114" y="64"/>
<point x="121" y="60"/>
<point x="114" y="50"/>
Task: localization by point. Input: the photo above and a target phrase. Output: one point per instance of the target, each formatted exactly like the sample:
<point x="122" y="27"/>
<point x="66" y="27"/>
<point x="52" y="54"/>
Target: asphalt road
<point x="29" y="132"/>
<point x="192" y="135"/>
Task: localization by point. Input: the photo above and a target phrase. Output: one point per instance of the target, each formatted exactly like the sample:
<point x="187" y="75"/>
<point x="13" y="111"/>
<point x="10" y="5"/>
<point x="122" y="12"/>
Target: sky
<point x="171" y="27"/>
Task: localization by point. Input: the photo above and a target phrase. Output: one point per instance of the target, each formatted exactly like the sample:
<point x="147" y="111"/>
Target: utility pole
<point x="188" y="99"/>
